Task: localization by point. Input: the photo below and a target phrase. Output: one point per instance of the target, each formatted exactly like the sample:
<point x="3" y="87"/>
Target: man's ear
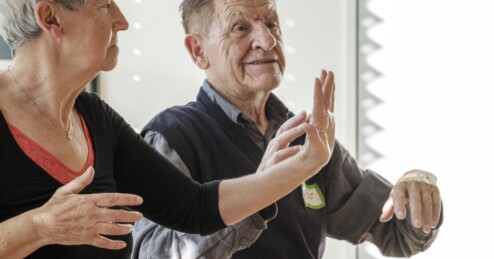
<point x="48" y="18"/>
<point x="195" y="47"/>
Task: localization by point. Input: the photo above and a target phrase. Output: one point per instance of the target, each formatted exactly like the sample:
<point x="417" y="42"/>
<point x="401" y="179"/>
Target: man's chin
<point x="267" y="81"/>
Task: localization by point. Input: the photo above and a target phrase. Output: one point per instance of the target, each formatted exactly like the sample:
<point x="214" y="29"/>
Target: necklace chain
<point x="68" y="132"/>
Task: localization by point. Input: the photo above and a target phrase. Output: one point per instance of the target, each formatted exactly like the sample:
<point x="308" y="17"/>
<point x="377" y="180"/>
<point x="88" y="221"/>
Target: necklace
<point x="68" y="132"/>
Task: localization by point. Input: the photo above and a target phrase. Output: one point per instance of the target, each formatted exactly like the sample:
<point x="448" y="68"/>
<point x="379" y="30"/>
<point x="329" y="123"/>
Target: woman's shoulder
<point x="86" y="96"/>
<point x="89" y="101"/>
<point x="94" y="108"/>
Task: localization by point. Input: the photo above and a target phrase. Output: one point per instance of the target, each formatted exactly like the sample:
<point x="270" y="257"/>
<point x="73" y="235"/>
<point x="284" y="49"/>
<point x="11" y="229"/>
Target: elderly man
<point x="225" y="132"/>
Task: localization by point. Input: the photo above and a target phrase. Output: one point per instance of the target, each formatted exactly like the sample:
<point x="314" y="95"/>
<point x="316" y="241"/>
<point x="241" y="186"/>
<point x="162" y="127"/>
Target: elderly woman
<point x="52" y="202"/>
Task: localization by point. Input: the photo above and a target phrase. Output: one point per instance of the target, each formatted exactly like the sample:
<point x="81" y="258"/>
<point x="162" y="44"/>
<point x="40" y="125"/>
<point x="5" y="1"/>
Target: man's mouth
<point x="261" y="62"/>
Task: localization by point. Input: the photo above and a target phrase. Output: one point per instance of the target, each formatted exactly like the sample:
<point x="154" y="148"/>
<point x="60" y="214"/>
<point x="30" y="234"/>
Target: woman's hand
<point x="69" y="218"/>
<point x="278" y="148"/>
<point x="285" y="167"/>
<point x="320" y="139"/>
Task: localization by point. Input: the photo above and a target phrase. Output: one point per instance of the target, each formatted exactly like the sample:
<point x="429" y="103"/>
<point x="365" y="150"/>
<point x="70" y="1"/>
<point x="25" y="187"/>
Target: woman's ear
<point x="195" y="47"/>
<point x="48" y="18"/>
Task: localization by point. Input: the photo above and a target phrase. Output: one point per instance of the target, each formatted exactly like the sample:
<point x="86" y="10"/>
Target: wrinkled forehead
<point x="247" y="9"/>
<point x="93" y="3"/>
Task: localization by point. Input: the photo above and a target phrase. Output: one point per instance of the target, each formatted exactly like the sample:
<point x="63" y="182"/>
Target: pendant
<point x="69" y="131"/>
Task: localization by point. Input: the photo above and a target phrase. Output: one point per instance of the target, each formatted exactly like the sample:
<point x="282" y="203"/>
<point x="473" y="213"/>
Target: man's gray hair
<point x="197" y="15"/>
<point x="17" y="21"/>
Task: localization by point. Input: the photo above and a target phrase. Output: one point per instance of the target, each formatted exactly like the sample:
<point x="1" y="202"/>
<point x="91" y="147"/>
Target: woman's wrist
<point x="37" y="225"/>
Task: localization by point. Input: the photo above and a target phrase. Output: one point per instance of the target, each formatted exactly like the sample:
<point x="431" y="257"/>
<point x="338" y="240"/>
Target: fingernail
<point x="417" y="223"/>
<point x="400" y="214"/>
<point x="427" y="228"/>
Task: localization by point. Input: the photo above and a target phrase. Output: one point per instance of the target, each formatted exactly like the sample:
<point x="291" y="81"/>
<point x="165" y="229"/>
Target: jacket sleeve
<point x="154" y="241"/>
<point x="356" y="198"/>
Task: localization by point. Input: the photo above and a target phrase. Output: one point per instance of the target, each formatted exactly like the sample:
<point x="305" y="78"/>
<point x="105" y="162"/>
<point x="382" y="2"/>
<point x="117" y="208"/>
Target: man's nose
<point x="263" y="38"/>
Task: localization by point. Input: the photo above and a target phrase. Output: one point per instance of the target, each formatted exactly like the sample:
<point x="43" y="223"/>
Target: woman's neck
<point x="49" y="85"/>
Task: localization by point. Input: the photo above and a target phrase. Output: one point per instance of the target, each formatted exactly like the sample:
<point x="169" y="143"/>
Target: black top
<point x="124" y="163"/>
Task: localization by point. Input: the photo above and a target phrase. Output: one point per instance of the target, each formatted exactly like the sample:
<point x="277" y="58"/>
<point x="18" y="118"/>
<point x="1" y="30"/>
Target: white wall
<point x="437" y="91"/>
<point x="155" y="71"/>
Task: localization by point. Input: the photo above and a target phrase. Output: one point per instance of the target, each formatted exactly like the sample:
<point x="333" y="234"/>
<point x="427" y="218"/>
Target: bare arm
<point x="288" y="167"/>
<point x="69" y="219"/>
<point x="19" y="236"/>
<point x="152" y="240"/>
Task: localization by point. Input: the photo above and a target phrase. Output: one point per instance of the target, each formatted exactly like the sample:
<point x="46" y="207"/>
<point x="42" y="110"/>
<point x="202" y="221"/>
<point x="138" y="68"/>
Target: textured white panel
<point x="436" y="114"/>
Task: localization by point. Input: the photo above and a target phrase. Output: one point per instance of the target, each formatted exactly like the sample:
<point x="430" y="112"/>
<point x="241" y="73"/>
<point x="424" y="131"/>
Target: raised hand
<point x="323" y="108"/>
<point x="319" y="143"/>
<point x="69" y="218"/>
<point x="284" y="168"/>
<point x="418" y="189"/>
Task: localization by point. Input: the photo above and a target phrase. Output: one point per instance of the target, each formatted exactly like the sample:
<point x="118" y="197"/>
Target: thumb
<point x="78" y="184"/>
<point x="387" y="211"/>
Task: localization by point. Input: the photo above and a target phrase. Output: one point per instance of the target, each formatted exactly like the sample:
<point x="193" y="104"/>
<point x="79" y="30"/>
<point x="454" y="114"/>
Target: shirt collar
<point x="276" y="111"/>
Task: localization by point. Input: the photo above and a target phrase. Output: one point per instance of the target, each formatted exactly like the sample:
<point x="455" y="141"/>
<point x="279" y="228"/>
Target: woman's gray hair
<point x="17" y="21"/>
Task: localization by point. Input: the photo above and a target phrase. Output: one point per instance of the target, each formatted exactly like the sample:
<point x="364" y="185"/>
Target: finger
<point x="387" y="211"/>
<point x="333" y="90"/>
<point x="436" y="211"/>
<point x="318" y="105"/>
<point x="283" y="154"/>
<point x="314" y="136"/>
<point x="113" y="229"/>
<point x="426" y="212"/>
<point x="399" y="202"/>
<point x="283" y="140"/>
<point x="309" y="118"/>
<point x="78" y="184"/>
<point x="327" y="89"/>
<point x="324" y="75"/>
<point x="415" y="206"/>
<point x="114" y="215"/>
<point x="115" y="199"/>
<point x="293" y="122"/>
<point x="106" y="243"/>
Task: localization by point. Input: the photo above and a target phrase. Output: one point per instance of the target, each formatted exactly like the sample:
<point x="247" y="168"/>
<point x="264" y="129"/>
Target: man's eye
<point x="272" y="25"/>
<point x="240" y="28"/>
<point x="107" y="5"/>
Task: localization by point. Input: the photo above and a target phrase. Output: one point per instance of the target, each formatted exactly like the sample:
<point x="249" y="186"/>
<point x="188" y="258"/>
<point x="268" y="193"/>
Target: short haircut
<point x="17" y="21"/>
<point x="197" y="15"/>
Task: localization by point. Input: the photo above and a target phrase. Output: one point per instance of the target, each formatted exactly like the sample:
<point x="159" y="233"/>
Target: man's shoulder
<point x="178" y="117"/>
<point x="180" y="113"/>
